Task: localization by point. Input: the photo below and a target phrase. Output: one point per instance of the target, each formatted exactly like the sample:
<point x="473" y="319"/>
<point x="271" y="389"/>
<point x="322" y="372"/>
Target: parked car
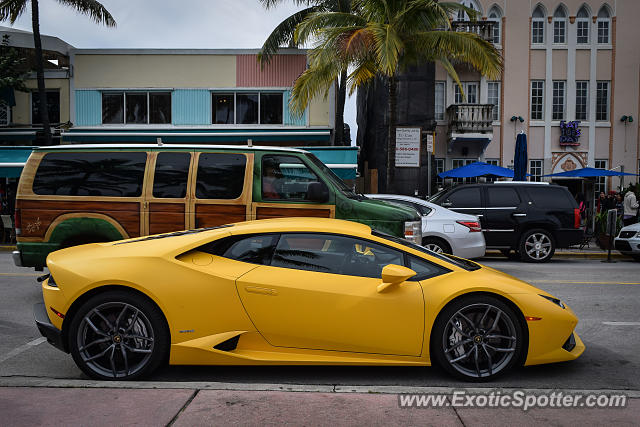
<point x="531" y="218"/>
<point x="75" y="194"/>
<point x="628" y="241"/>
<point x="443" y="230"/>
<point x="301" y="291"/>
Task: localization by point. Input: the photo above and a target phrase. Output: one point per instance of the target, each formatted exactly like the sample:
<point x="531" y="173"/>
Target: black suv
<point x="531" y="218"/>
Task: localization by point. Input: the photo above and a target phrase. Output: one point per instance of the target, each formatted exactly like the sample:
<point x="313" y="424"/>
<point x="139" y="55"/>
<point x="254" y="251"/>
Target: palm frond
<point x="282" y="34"/>
<point x="363" y="73"/>
<point x="92" y="8"/>
<point x="449" y="68"/>
<point x="12" y="9"/>
<point x="388" y="47"/>
<point x="325" y="20"/>
<point x="313" y="81"/>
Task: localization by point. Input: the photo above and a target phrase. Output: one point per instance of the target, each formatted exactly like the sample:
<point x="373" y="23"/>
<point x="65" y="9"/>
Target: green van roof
<point x="156" y="147"/>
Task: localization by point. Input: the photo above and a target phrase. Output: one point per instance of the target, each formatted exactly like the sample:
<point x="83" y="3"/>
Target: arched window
<point x="582" y="25"/>
<point x="537" y="25"/>
<point x="604" y="24"/>
<point x="560" y="25"/>
<point x="471" y="4"/>
<point x="495" y="15"/>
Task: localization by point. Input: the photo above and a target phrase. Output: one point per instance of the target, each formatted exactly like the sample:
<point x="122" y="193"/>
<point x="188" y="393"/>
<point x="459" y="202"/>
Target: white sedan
<point x="628" y="241"/>
<point x="443" y="230"/>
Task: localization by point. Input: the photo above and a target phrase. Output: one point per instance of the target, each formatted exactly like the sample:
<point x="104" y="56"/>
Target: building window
<point x="537" y="26"/>
<point x="535" y="170"/>
<point x="247" y="108"/>
<point x="537" y="100"/>
<point x="601" y="181"/>
<point x="603" y="25"/>
<point x="5" y="114"/>
<point x="458" y="163"/>
<point x="560" y="26"/>
<point x="493" y="97"/>
<point x="582" y="26"/>
<point x="440" y="100"/>
<point x="602" y="101"/>
<point x="495" y="15"/>
<point x="439" y="167"/>
<point x="582" y="99"/>
<point x="470" y="91"/>
<point x="558" y="106"/>
<point x="53" y="107"/>
<point x="136" y="107"/>
<point x="494" y="162"/>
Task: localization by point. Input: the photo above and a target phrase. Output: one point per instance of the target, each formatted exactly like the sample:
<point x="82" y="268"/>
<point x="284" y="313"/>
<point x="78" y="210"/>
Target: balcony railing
<point x="470" y="118"/>
<point x="482" y="28"/>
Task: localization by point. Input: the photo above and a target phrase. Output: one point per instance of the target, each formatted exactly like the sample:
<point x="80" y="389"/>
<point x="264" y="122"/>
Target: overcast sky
<point x="210" y="24"/>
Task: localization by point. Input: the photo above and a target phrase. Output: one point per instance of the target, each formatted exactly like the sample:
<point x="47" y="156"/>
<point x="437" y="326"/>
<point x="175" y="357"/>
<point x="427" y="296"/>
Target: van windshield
<point x="335" y="179"/>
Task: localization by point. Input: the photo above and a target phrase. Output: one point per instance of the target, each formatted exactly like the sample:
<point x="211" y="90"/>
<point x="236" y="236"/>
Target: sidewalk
<point x="188" y="407"/>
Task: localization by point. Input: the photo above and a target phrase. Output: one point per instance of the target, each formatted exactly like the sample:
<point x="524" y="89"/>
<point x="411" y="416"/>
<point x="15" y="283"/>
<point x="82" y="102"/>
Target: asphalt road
<point x="606" y="298"/>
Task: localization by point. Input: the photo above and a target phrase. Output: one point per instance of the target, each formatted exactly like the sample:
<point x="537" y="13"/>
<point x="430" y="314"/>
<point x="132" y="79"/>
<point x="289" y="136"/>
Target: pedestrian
<point x="619" y="205"/>
<point x="630" y="208"/>
<point x="610" y="202"/>
<point x="582" y="207"/>
<point x="601" y="202"/>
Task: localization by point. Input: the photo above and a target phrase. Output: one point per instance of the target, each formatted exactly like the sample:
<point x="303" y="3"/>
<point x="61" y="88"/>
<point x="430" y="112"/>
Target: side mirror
<point x="394" y="275"/>
<point x="317" y="192"/>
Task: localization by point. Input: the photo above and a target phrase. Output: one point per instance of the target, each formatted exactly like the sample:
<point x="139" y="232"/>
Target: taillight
<point x="576" y="218"/>
<point x="17" y="221"/>
<point x="474" y="226"/>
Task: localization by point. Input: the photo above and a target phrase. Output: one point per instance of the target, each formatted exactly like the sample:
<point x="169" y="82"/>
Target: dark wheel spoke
<point x="458" y="329"/>
<point x="133" y="321"/>
<point x="484" y="316"/>
<point x="104" y="319"/>
<point x="137" y="350"/>
<point x="119" y="318"/>
<point x="125" y="359"/>
<point x="504" y="337"/>
<point x="475" y="360"/>
<point x="457" y="345"/>
<point x="112" y="362"/>
<point x="94" y="327"/>
<point x="139" y="337"/>
<point x="469" y="322"/>
<point x="464" y="356"/>
<point x="102" y="353"/>
<point x="501" y="350"/>
<point x="495" y="322"/>
<point x="489" y="361"/>
<point x="92" y="343"/>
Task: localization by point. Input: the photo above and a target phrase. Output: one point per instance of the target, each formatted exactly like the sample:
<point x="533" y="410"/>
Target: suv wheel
<point x="536" y="246"/>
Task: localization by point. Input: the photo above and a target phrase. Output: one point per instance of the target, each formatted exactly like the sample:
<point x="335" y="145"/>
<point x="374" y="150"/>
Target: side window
<point x="285" y="178"/>
<point x="254" y="249"/>
<point x="423" y="210"/>
<point x="220" y="175"/>
<point x="172" y="172"/>
<point x="550" y="197"/>
<point x="425" y="269"/>
<point x="500" y="197"/>
<point x="465" y="198"/>
<point x="100" y="174"/>
<point x="334" y="254"/>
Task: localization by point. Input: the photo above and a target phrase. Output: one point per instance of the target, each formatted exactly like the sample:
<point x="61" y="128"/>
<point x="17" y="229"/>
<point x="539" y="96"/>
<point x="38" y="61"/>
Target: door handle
<point x="261" y="291"/>
<point x="518" y="214"/>
<point x="479" y="215"/>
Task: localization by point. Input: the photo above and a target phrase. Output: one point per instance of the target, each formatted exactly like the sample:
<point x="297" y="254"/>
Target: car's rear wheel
<point x="436" y="245"/>
<point x="118" y="335"/>
<point x="537" y="246"/>
<point x="477" y="338"/>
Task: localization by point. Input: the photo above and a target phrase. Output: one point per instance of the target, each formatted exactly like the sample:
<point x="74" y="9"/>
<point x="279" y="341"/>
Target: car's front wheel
<point x="537" y="246"/>
<point x="118" y="335"/>
<point x="477" y="338"/>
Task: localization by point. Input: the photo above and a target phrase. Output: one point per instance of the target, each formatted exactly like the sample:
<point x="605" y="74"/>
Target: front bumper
<point x="46" y="328"/>
<point x="628" y="246"/>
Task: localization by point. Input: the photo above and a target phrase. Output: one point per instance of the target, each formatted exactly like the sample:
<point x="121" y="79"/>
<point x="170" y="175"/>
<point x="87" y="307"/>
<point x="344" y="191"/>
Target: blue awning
<point x="12" y="160"/>
<point x="477" y="169"/>
<point x="589" y="172"/>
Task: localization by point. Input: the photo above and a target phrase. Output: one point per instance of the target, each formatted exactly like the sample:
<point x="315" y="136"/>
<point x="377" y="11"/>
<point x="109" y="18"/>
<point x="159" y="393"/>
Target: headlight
<point x="413" y="231"/>
<point x="556" y="301"/>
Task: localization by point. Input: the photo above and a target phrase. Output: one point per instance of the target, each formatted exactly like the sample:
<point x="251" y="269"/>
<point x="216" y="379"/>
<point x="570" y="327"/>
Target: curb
<point x="568" y="255"/>
<point x="7" y="248"/>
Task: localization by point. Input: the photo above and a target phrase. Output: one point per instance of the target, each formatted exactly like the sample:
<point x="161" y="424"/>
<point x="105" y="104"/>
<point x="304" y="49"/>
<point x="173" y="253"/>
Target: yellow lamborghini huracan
<point x="303" y="291"/>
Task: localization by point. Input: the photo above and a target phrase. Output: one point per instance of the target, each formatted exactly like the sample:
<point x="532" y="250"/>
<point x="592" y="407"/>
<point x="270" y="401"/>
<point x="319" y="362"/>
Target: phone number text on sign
<point x="408" y="147"/>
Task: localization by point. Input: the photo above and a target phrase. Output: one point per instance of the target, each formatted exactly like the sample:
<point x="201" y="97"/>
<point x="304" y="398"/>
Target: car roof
<point x="295" y="224"/>
<point x="133" y="147"/>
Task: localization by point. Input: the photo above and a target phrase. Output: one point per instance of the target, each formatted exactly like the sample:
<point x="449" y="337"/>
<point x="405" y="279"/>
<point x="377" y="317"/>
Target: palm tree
<point x="283" y="35"/>
<point x="383" y="37"/>
<point x="13" y="9"/>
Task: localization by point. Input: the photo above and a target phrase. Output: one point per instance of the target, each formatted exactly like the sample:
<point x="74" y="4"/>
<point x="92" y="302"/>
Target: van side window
<point x="172" y="172"/>
<point x="285" y="178"/>
<point x="117" y="174"/>
<point x="220" y="175"/>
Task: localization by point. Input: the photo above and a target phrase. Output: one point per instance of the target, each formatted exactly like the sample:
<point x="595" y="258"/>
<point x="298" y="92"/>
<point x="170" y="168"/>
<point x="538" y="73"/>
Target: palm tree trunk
<point x="341" y="98"/>
<point x="391" y="136"/>
<point x="42" y="94"/>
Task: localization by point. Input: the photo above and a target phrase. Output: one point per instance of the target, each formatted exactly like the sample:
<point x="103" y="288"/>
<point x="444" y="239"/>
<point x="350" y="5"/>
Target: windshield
<point x="458" y="262"/>
<point x="331" y="176"/>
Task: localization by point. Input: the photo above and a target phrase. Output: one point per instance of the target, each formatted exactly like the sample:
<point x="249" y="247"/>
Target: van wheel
<point x="537" y="245"/>
<point x="118" y="335"/>
<point x="436" y="245"/>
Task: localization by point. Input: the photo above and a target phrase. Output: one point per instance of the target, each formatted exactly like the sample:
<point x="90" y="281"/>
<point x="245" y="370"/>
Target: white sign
<point x="408" y="147"/>
<point x="429" y="143"/>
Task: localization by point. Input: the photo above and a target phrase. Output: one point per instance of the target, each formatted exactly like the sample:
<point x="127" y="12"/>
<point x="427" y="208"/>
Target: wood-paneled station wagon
<point x="77" y="194"/>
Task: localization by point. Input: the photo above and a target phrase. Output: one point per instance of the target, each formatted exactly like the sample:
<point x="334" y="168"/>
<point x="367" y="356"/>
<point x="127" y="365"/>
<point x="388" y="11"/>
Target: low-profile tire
<point x="118" y="335"/>
<point x="537" y="245"/>
<point x="477" y="338"/>
<point x="436" y="245"/>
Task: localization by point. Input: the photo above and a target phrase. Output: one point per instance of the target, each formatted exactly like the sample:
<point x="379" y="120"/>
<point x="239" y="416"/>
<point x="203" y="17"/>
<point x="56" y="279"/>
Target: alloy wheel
<point x="115" y="339"/>
<point x="433" y="247"/>
<point x="538" y="246"/>
<point x="479" y="340"/>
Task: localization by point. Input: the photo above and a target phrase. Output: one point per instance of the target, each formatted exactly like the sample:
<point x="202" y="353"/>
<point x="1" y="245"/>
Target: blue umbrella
<point x="589" y="172"/>
<point x="477" y="169"/>
<point x="520" y="158"/>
